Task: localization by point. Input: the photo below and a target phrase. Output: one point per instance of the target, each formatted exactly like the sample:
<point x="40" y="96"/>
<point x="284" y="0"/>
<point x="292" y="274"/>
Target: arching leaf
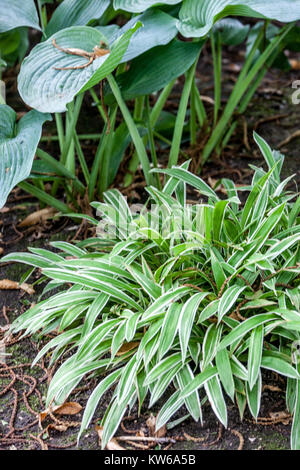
<point x="75" y="13"/>
<point x="198" y="17"/>
<point x="158" y="29"/>
<point x="18" y="144"/>
<point x="138" y="6"/>
<point x="143" y="78"/>
<point x="14" y="14"/>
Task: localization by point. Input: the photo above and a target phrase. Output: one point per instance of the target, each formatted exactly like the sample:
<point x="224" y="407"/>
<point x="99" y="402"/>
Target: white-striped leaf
<point x="186" y="320"/>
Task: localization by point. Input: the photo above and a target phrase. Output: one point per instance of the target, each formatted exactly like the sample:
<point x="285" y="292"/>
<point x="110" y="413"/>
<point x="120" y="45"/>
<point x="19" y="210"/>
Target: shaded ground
<point x="22" y="390"/>
<point x="26" y="388"/>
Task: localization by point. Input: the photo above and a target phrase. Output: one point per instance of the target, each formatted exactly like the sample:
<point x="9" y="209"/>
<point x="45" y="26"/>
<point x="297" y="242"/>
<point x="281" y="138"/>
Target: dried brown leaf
<point x="151" y="423"/>
<point x="295" y="64"/>
<point x="68" y="408"/>
<point x="38" y="217"/>
<point x="7" y="284"/>
<point x="112" y="444"/>
<point x="127" y="347"/>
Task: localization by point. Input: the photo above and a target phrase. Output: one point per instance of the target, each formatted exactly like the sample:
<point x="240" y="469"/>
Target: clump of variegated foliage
<point x="199" y="312"/>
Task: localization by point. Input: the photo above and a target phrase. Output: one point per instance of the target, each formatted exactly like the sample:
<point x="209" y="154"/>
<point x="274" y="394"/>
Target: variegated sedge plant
<point x="199" y="313"/>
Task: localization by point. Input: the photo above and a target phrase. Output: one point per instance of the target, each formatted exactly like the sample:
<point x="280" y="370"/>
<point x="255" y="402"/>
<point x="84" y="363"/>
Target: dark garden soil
<point x="23" y="390"/>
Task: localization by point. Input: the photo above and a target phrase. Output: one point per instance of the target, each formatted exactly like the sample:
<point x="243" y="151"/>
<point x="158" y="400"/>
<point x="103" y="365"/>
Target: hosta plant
<point x="52" y="79"/>
<point x="172" y="304"/>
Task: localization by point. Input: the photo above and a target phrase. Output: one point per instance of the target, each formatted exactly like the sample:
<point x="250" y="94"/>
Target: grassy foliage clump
<point x="197" y="299"/>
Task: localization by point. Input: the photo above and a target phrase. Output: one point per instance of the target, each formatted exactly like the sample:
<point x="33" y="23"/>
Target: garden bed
<point x="276" y="119"/>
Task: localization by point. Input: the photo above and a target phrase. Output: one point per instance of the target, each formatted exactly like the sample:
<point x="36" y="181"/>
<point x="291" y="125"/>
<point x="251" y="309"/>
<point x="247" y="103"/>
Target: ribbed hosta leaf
<point x="198" y="17"/>
<point x="17" y="147"/>
<point x="171" y="61"/>
<point x="14" y="14"/>
<point x="49" y="90"/>
<point x="75" y="13"/>
<point x="158" y="29"/>
<point x="137" y="6"/>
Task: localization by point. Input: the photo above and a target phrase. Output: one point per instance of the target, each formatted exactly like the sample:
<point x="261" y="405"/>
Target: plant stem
<point x="43" y="18"/>
<point x="152" y="143"/>
<point x="60" y="130"/>
<point x="217" y="61"/>
<point x="200" y="109"/>
<point x="96" y="164"/>
<point x="81" y="159"/>
<point x="60" y="169"/>
<point x="104" y="164"/>
<point x="70" y="160"/>
<point x="138" y="143"/>
<point x="71" y="128"/>
<point x="243" y="82"/>
<point x="54" y="138"/>
<point x="154" y="115"/>
<point x="138" y="108"/>
<point x="98" y="103"/>
<point x="44" y="197"/>
<point x="160" y="103"/>
<point x="179" y="124"/>
<point x="193" y="124"/>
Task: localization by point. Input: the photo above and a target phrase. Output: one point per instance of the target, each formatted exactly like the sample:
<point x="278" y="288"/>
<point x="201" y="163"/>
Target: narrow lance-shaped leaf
<point x="255" y="355"/>
<point x="186" y="320"/>
<point x="18" y="144"/>
<point x="74" y="13"/>
<point x="228" y="299"/>
<point x="95" y="397"/>
<point x="216" y="399"/>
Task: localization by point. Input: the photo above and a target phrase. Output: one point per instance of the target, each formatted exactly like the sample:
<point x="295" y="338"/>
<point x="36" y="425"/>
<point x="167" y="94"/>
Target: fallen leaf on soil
<point x="282" y="416"/>
<point x="56" y="427"/>
<point x="295" y="64"/>
<point x="38" y="217"/>
<point x="112" y="444"/>
<point x="233" y="68"/>
<point x="151" y="423"/>
<point x="127" y="347"/>
<point x="208" y="99"/>
<point x="7" y="284"/>
<point x="272" y="388"/>
<point x="68" y="408"/>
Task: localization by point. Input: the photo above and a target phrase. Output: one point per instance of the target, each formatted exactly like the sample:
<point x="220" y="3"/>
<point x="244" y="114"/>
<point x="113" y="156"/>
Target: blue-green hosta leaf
<point x="75" y="13"/>
<point x="232" y="31"/>
<point x="14" y="14"/>
<point x="158" y="29"/>
<point x="138" y="6"/>
<point x="172" y="60"/>
<point x="198" y="17"/>
<point x="18" y="144"/>
<point x="46" y="89"/>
